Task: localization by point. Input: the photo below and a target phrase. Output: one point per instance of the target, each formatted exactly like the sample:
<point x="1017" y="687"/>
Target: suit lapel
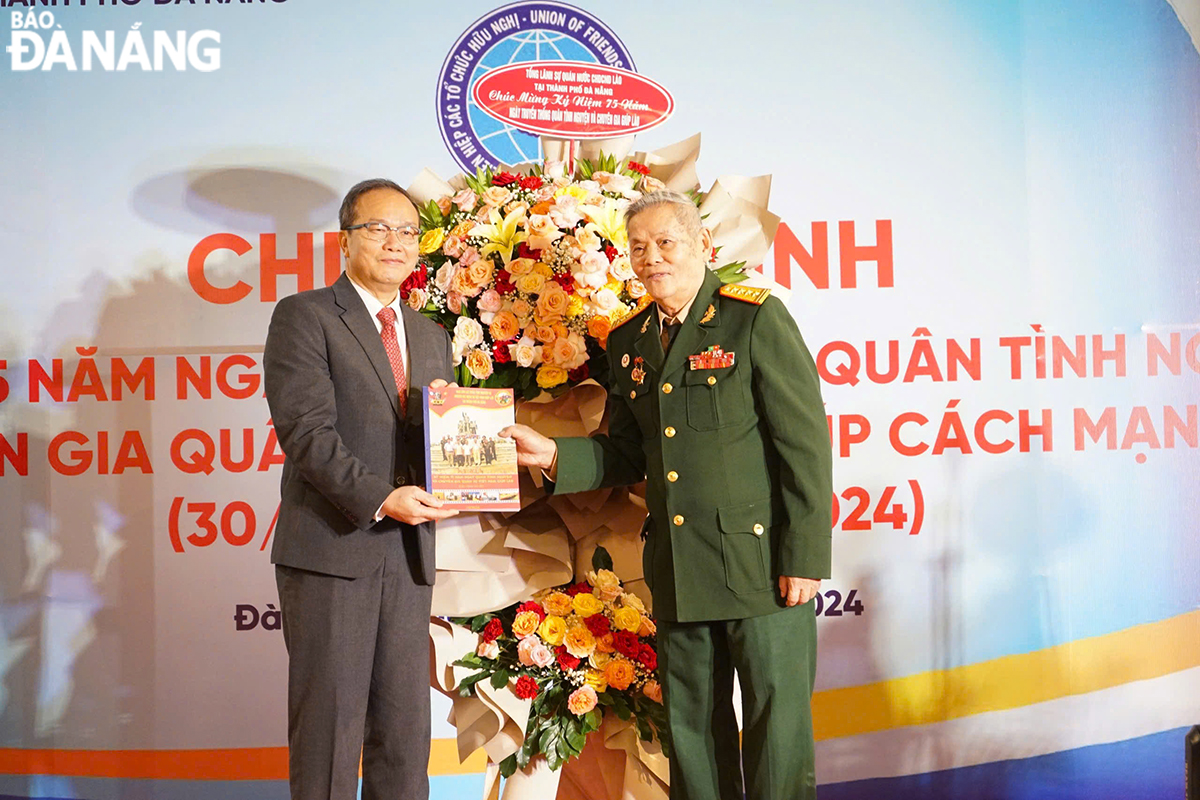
<point x="358" y="320"/>
<point x="647" y="344"/>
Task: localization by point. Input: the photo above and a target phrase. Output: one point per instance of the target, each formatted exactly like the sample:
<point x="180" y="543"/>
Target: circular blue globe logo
<point x="516" y="33"/>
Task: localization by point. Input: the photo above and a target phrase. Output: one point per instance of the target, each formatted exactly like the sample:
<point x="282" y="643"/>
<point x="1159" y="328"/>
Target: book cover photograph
<point x="467" y="464"/>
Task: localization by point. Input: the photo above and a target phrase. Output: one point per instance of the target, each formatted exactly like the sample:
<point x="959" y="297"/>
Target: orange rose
<point x="480" y="271"/>
<point x="520" y="266"/>
<point x="619" y="674"/>
<point x="557" y="603"/>
<point x="582" y="700"/>
<point x="552" y="301"/>
<point x="599" y="327"/>
<point x="653" y="690"/>
<point x="462" y="229"/>
<point x="579" y="641"/>
<point x="504" y="326"/>
<point x="605" y="644"/>
<point x="525" y="624"/>
<point x="541" y="208"/>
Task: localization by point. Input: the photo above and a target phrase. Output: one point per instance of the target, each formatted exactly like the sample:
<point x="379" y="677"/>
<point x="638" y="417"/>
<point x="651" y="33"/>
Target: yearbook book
<point x="467" y="464"/>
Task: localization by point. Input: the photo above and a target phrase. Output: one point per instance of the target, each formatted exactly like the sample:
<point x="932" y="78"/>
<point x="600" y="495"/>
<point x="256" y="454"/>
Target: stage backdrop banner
<point x="990" y="240"/>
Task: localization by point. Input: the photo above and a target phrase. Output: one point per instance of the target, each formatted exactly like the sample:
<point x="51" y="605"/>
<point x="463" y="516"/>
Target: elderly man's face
<point x="666" y="258"/>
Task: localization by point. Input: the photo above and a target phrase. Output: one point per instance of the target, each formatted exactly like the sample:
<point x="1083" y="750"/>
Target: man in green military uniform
<point x="715" y="403"/>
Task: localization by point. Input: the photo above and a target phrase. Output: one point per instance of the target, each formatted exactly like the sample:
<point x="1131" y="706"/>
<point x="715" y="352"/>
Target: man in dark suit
<point x="714" y="401"/>
<point x="354" y="544"/>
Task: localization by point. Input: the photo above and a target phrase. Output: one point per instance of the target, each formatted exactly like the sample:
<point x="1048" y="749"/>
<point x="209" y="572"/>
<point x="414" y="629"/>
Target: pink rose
<point x="417" y="298"/>
<point x="488" y="650"/>
<point x="469" y="256"/>
<point x="541" y="655"/>
<point x="452" y="246"/>
<point x="490" y="301"/>
<point x="525" y="650"/>
<point x="465" y="200"/>
<point x="443" y="204"/>
<point x="454" y="302"/>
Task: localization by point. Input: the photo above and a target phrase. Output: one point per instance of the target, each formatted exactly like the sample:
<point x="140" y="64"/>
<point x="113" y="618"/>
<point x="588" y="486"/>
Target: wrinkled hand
<point x="414" y="505"/>
<point x="798" y="591"/>
<point x="533" y="449"/>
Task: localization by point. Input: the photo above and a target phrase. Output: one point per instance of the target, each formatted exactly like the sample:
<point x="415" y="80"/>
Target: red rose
<point x="530" y="182"/>
<point x="503" y="284"/>
<point x="566" y="280"/>
<point x="577" y="588"/>
<point x="493" y="630"/>
<point x="597" y="624"/>
<point x="526" y="688"/>
<point x="525" y="251"/>
<point x="500" y="352"/>
<point x="626" y="643"/>
<point x="611" y="252"/>
<point x="530" y="605"/>
<point x="641" y="169"/>
<point x="713" y="257"/>
<point x="647" y="657"/>
<point x="504" y="179"/>
<point x="565" y="659"/>
<point x="579" y="373"/>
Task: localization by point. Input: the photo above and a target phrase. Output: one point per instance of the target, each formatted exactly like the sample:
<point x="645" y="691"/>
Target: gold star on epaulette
<point x="747" y="294"/>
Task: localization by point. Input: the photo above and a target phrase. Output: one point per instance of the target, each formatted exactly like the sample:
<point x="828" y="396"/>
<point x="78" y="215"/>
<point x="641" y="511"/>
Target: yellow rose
<point x="633" y="601"/>
<point x="557" y="603"/>
<point x="525" y="624"/>
<point x="553" y="630"/>
<point x="600" y="658"/>
<point x="595" y="679"/>
<point x="575" y="306"/>
<point x="432" y="240"/>
<point x="578" y="641"/>
<point x="504" y="326"/>
<point x="463" y="229"/>
<point x="530" y="283"/>
<point x="543" y="269"/>
<point x="586" y="604"/>
<point x="627" y="619"/>
<point x="549" y="376"/>
<point x="619" y="674"/>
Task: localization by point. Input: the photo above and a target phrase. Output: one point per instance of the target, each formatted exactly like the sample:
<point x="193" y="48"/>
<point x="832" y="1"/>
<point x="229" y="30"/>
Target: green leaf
<point x="508" y="766"/>
<point x="471" y="660"/>
<point x="500" y="678"/>
<point x="601" y="559"/>
<point x="576" y="739"/>
<point x="592" y="720"/>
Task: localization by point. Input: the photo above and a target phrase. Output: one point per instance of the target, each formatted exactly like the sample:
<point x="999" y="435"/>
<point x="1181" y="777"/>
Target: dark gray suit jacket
<point x="336" y="412"/>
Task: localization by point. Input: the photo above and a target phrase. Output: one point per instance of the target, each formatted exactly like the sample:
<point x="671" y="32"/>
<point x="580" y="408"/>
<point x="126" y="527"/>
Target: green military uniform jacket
<point x="737" y="459"/>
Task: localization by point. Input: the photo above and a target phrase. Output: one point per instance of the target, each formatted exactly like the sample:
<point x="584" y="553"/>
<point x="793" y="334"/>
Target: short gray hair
<point x="685" y="210"/>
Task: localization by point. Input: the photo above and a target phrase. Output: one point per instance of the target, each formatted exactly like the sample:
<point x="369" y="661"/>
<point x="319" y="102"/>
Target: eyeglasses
<point x="378" y="231"/>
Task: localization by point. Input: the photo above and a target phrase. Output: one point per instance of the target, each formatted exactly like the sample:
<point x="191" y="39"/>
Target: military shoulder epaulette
<point x="636" y="313"/>
<point x="747" y="294"/>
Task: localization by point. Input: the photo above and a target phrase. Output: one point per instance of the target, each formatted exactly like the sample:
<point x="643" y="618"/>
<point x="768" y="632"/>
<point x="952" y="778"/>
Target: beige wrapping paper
<point x="616" y="765"/>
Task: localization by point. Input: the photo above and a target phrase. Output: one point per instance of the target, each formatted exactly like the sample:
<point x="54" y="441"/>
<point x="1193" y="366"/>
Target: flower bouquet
<point x="575" y="651"/>
<point x="530" y="272"/>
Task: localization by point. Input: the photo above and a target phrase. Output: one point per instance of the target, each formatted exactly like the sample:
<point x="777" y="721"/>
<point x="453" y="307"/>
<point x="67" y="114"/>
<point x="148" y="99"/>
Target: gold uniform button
<point x="678" y="519"/>
<point x="669" y="431"/>
<point x="667" y="388"/>
<point x="632" y="394"/>
<point x="758" y="529"/>
<point x="712" y="380"/>
<point x="672" y="476"/>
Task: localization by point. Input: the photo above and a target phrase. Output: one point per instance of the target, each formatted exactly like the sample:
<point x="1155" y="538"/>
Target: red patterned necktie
<point x="387" y="316"/>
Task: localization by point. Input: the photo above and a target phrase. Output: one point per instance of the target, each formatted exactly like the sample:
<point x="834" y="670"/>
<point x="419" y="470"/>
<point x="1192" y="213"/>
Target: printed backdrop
<point x="990" y="236"/>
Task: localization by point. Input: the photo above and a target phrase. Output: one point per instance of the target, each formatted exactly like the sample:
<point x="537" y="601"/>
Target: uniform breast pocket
<point x="714" y="397"/>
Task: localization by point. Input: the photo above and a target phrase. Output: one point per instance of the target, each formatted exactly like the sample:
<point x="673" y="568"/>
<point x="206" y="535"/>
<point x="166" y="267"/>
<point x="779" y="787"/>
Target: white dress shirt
<point x="374" y="307"/>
